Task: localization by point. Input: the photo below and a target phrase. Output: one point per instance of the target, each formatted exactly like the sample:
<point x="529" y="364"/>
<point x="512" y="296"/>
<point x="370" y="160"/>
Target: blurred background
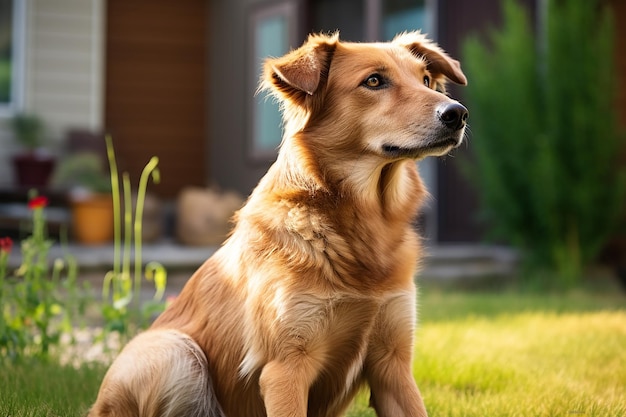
<point x="178" y="79"/>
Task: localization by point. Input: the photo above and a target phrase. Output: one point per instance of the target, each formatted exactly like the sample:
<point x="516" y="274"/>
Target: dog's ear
<point x="298" y="74"/>
<point x="437" y="59"/>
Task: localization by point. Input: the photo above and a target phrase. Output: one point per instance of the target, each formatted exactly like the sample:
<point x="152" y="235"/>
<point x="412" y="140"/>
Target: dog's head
<point x="384" y="100"/>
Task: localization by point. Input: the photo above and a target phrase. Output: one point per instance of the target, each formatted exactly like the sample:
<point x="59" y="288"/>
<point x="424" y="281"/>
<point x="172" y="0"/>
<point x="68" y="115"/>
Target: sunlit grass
<point x="477" y="354"/>
<point x="514" y="355"/>
<point x="529" y="364"/>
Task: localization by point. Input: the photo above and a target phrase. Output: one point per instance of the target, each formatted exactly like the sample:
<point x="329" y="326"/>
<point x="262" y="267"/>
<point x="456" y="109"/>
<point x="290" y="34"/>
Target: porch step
<point x="468" y="264"/>
<point x="446" y="264"/>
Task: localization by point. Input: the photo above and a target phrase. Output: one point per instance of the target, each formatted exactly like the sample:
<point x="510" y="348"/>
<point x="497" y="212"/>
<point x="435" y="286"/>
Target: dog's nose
<point x="453" y="116"/>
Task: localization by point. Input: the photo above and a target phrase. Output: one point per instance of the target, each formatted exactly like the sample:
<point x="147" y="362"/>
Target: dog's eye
<point x="427" y="81"/>
<point x="374" y="81"/>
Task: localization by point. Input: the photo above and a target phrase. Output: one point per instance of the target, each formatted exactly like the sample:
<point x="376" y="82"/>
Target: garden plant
<point x="122" y="307"/>
<point x="545" y="135"/>
<point x="44" y="299"/>
<point x="38" y="302"/>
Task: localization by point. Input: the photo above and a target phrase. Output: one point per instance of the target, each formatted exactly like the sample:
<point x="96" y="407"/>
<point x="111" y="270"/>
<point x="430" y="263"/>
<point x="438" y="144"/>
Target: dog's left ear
<point x="437" y="59"/>
<point x="299" y="73"/>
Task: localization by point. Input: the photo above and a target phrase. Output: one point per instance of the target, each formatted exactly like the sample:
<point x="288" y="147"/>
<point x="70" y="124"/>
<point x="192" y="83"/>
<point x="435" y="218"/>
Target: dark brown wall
<point x="230" y="164"/>
<point x="156" y="88"/>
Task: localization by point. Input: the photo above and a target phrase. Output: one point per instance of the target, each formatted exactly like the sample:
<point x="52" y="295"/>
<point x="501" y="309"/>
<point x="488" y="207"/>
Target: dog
<point x="312" y="296"/>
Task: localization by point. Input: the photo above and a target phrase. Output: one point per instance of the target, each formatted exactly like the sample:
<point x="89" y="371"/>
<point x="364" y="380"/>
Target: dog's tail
<point x="160" y="373"/>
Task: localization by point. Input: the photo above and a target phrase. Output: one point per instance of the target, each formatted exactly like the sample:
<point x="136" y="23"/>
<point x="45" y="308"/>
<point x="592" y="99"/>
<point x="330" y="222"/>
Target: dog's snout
<point x="453" y="116"/>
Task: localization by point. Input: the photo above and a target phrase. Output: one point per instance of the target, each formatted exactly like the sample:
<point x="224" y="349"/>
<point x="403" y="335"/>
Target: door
<point x="155" y="89"/>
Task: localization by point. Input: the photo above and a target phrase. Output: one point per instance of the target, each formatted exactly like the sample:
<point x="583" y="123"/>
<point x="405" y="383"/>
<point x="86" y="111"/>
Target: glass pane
<point x="6" y="50"/>
<point x="403" y="15"/>
<point x="271" y="41"/>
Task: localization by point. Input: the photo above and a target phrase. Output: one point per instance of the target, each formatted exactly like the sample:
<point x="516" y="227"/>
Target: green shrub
<point x="545" y="133"/>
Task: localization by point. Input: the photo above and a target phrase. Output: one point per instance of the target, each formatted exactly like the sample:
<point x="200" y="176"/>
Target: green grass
<point x="37" y="389"/>
<point x="510" y="354"/>
<point x="530" y="364"/>
<point x="478" y="354"/>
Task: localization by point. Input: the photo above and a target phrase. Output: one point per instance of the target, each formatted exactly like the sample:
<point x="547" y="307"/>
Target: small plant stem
<point x="150" y="168"/>
<point x="4" y="259"/>
<point x="115" y="188"/>
<point x="128" y="222"/>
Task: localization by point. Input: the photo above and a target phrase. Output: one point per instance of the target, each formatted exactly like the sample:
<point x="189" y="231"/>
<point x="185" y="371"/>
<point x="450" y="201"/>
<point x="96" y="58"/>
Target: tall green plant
<point x="546" y="137"/>
<point x="118" y="291"/>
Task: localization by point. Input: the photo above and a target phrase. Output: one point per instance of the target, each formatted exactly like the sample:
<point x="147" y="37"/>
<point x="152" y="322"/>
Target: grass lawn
<point x="478" y="354"/>
<point x="50" y="390"/>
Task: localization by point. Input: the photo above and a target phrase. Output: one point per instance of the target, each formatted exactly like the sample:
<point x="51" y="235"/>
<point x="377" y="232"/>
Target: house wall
<point x="63" y="71"/>
<point x="230" y="167"/>
<point x="457" y="200"/>
<point x="156" y="90"/>
<point x="230" y="164"/>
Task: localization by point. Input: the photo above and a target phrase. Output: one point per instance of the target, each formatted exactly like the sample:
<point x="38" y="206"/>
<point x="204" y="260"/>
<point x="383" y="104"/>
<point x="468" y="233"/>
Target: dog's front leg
<point x="388" y="363"/>
<point x="285" y="386"/>
<point x="394" y="393"/>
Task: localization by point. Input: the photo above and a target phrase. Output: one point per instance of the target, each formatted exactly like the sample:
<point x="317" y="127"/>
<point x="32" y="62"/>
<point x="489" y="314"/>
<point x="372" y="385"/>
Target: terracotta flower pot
<point x="92" y="219"/>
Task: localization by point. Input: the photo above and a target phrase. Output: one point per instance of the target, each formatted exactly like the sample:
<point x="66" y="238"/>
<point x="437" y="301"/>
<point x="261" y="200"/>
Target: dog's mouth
<point x="433" y="148"/>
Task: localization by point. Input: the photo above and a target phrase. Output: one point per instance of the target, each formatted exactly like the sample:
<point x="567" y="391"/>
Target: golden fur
<point x="312" y="296"/>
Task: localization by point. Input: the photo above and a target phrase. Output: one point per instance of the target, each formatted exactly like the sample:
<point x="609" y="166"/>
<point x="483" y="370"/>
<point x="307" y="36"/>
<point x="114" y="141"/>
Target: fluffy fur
<point x="312" y="296"/>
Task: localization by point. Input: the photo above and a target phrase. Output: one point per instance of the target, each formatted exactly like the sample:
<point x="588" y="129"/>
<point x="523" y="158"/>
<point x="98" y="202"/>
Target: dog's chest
<point x="340" y="348"/>
<point x="331" y="333"/>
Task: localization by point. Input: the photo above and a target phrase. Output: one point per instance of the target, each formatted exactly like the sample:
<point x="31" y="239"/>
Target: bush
<point x="546" y="137"/>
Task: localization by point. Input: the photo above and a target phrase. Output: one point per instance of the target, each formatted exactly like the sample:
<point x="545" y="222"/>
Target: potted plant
<point x="89" y="190"/>
<point x="33" y="166"/>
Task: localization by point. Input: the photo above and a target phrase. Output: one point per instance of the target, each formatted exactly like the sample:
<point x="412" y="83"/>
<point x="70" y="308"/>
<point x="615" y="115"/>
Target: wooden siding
<point x="63" y="72"/>
<point x="64" y="64"/>
<point x="155" y="88"/>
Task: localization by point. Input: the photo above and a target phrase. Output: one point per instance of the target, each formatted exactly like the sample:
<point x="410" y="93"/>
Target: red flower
<point x="6" y="244"/>
<point x="38" y="202"/>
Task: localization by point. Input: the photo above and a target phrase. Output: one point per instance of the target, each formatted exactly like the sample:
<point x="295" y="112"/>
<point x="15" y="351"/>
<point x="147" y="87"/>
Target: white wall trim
<point x="98" y="61"/>
<point x="18" y="63"/>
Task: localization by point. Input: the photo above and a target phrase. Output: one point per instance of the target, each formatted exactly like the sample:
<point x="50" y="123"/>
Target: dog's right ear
<point x="300" y="72"/>
<point x="438" y="61"/>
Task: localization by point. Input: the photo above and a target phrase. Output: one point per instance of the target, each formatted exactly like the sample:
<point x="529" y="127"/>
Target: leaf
<point x="123" y="302"/>
<point x="155" y="271"/>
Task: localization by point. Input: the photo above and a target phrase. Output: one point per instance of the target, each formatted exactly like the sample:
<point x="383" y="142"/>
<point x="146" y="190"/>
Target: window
<point x="402" y="15"/>
<point x="11" y="55"/>
<point x="369" y="20"/>
<point x="273" y="31"/>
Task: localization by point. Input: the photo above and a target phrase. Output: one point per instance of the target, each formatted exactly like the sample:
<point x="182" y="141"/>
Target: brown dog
<point x="312" y="296"/>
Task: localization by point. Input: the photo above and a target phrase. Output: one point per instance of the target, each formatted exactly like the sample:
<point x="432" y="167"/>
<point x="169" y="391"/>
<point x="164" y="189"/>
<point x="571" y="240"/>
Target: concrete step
<point x="468" y="263"/>
<point x="443" y="263"/>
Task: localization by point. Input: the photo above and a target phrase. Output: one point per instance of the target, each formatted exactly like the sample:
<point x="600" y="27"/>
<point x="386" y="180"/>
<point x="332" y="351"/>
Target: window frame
<point x="18" y="39"/>
<point x="290" y="11"/>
